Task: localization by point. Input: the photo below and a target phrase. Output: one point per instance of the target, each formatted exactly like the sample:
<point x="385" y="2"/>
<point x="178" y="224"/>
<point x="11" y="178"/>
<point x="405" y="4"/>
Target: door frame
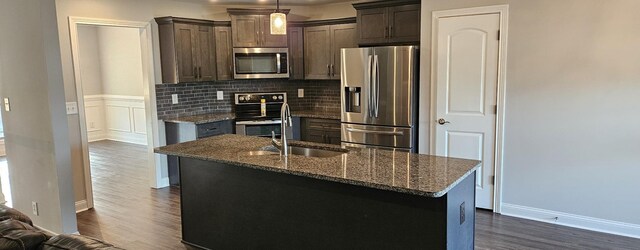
<point x="149" y="93"/>
<point x="503" y="11"/>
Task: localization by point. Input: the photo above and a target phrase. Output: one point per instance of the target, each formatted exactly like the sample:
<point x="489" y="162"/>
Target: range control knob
<point x="280" y="97"/>
<point x="275" y="97"/>
<point x="241" y="98"/>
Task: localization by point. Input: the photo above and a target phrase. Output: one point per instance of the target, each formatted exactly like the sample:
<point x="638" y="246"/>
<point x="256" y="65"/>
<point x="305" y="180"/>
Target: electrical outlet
<point x="72" y="108"/>
<point x="300" y="93"/>
<point x="220" y="95"/>
<point x="174" y="99"/>
<point x="462" y="216"/>
<point x="34" y="207"/>
<point x="7" y="105"/>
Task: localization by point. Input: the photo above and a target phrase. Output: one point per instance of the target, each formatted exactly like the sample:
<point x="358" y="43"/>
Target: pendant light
<point x="278" y="21"/>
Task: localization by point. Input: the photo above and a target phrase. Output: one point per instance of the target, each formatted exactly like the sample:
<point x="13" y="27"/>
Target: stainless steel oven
<point x="258" y="114"/>
<point x="252" y="63"/>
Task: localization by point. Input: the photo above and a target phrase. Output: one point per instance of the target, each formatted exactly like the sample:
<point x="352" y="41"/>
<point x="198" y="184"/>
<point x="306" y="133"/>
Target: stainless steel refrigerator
<point x="379" y="97"/>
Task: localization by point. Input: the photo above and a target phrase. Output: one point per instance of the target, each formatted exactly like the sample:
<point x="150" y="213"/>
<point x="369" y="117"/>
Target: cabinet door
<point x="404" y="24"/>
<point x="224" y="51"/>
<point x="342" y="36"/>
<point x="186" y="36"/>
<point x="246" y="31"/>
<point x="372" y="26"/>
<point x="206" y="54"/>
<point x="268" y="40"/>
<point x="317" y="52"/>
<point x="296" y="53"/>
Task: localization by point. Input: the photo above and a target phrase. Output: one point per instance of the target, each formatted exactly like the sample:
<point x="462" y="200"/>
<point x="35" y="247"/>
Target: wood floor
<point x="131" y="215"/>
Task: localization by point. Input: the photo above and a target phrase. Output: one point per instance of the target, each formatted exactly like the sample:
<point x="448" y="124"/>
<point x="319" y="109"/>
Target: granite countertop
<point x="317" y="114"/>
<point x="201" y="119"/>
<point x="216" y="117"/>
<point x="423" y="175"/>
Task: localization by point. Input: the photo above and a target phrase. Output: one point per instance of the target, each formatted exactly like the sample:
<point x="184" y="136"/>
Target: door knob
<point x="442" y="121"/>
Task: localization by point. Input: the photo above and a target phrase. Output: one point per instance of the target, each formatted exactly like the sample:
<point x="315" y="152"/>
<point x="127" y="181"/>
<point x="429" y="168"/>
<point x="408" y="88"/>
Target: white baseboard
<point x="47" y="231"/>
<point x="572" y="220"/>
<point x="140" y="139"/>
<point x="164" y="182"/>
<point x="81" y="206"/>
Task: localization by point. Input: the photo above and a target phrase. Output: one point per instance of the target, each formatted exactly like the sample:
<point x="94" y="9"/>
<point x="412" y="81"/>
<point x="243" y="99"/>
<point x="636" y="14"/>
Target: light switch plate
<point x="7" y="105"/>
<point x="72" y="108"/>
<point x="300" y="93"/>
<point x="174" y="99"/>
<point x="220" y="95"/>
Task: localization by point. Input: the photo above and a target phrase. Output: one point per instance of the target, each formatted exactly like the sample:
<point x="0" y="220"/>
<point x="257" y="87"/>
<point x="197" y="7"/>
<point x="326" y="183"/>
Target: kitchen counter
<point x="202" y="119"/>
<point x="422" y="175"/>
<point x="233" y="195"/>
<point x="216" y="117"/>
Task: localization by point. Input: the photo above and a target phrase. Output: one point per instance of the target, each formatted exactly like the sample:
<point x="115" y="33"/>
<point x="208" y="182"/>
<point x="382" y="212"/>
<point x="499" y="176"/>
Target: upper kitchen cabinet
<point x="187" y="50"/>
<point x="323" y="41"/>
<point x="251" y="29"/>
<point x="388" y="22"/>
<point x="224" y="50"/>
<point x="296" y="51"/>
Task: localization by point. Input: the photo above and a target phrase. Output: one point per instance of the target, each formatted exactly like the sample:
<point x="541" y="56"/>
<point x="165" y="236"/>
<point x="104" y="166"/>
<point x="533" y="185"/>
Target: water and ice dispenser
<point x="353" y="99"/>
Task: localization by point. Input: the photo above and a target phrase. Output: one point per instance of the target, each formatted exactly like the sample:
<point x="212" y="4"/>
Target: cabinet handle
<point x="291" y="70"/>
<point x="390" y="31"/>
<point x="333" y="70"/>
<point x="258" y="37"/>
<point x="386" y="32"/>
<point x="199" y="72"/>
<point x="195" y="72"/>
<point x="329" y="70"/>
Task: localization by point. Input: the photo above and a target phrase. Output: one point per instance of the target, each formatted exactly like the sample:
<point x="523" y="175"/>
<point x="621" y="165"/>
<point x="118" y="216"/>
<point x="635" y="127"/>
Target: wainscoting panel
<point x="114" y="117"/>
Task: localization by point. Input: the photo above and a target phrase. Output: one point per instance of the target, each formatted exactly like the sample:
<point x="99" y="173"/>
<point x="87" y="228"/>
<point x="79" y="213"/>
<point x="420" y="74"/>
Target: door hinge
<point x="498" y="35"/>
<point x="493" y="180"/>
<point x="495" y="109"/>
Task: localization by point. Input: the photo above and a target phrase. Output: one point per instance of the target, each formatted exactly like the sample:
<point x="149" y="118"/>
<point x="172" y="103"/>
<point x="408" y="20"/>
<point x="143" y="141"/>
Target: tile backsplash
<point x="201" y="98"/>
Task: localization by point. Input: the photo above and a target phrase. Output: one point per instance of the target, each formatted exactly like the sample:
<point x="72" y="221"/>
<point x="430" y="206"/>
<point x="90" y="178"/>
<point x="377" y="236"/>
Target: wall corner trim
<point x="82" y="206"/>
<point x="572" y="220"/>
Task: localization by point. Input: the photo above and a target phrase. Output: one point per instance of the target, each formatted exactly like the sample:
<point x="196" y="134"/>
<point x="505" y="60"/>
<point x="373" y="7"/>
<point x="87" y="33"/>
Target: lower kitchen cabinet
<point x="320" y="130"/>
<point x="184" y="132"/>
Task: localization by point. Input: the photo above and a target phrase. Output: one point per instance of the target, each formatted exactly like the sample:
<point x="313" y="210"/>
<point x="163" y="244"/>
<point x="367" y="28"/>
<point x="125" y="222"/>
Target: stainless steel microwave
<point x="252" y="63"/>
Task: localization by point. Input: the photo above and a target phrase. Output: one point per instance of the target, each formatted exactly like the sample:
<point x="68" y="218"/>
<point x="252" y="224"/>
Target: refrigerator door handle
<point x="376" y="68"/>
<point x="370" y="83"/>
<point x="396" y="133"/>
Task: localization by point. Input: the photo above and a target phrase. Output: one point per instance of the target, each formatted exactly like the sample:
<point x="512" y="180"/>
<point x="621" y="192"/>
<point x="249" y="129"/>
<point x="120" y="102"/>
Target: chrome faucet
<point x="285" y="116"/>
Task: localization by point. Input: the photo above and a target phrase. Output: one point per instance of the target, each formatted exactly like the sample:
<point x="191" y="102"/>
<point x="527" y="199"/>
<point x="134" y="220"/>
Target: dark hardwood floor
<point x="131" y="215"/>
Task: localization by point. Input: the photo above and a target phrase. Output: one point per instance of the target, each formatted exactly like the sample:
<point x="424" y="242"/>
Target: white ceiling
<point x="267" y="2"/>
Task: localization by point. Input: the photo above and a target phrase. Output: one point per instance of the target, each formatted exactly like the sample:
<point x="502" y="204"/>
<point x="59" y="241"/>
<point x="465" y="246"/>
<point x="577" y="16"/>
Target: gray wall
<point x="572" y="139"/>
<point x="37" y="138"/>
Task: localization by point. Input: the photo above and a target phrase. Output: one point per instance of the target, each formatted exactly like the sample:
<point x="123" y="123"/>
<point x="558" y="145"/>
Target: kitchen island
<point x="235" y="194"/>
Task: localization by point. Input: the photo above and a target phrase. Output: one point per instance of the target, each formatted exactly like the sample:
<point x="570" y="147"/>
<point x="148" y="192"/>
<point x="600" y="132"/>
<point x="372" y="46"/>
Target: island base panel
<point x="230" y="207"/>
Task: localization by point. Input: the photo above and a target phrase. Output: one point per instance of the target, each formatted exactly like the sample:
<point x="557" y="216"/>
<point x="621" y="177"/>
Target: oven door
<point x="259" y="128"/>
<point x="251" y="63"/>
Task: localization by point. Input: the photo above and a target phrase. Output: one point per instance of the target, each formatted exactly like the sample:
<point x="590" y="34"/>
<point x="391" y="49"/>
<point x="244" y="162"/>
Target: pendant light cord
<point x="277" y="6"/>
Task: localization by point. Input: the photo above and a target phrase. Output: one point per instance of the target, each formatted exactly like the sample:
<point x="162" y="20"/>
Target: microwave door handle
<point x="278" y="63"/>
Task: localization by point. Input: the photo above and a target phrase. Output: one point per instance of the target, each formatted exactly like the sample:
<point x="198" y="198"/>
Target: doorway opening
<point x="5" y="186"/>
<point x="115" y="89"/>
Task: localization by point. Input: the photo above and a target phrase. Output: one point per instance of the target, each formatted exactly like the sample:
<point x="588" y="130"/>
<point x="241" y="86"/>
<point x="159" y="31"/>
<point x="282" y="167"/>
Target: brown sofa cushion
<point x="76" y="242"/>
<point x="17" y="235"/>
<point x="10" y="213"/>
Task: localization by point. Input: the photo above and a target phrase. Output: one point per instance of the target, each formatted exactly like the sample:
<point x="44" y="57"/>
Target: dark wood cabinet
<point x="388" y="22"/>
<point x="187" y="50"/>
<point x="322" y="45"/>
<point x="320" y="130"/>
<point x="224" y="50"/>
<point x="296" y="52"/>
<point x="251" y="28"/>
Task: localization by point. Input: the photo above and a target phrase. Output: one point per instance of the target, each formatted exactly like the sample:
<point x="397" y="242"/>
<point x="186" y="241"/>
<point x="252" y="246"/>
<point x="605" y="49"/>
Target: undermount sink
<point x="295" y="150"/>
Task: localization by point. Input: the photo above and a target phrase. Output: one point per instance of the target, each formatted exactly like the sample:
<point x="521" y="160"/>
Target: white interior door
<point x="466" y="60"/>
